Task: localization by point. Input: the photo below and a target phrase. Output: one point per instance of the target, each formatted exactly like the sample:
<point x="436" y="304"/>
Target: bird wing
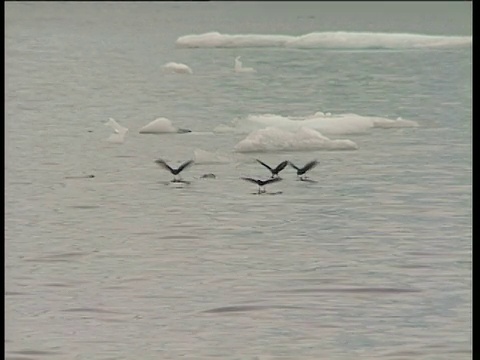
<point x="293" y="165"/>
<point x="310" y="165"/>
<point x="164" y="165"/>
<point x="261" y="162"/>
<point x="250" y="179"/>
<point x="184" y="165"/>
<point x="272" y="180"/>
<point x="281" y="166"/>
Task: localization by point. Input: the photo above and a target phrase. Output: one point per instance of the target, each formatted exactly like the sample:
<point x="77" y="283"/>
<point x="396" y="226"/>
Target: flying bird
<point x="301" y="171"/>
<point x="174" y="172"/>
<point x="261" y="183"/>
<point x="275" y="171"/>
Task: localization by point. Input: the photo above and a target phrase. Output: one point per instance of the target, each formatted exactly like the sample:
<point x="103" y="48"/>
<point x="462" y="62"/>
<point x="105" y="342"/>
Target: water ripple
<point x="244" y="308"/>
<point x="365" y="290"/>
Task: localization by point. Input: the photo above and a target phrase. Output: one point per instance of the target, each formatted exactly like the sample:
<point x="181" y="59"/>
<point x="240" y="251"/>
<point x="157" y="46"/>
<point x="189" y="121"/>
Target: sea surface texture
<point x="369" y="258"/>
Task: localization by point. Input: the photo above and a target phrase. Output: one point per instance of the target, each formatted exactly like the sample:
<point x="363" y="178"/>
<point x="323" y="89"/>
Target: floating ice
<point x="161" y="126"/>
<point x="326" y="40"/>
<point x="178" y="68"/>
<point x="119" y="136"/>
<point x="275" y="139"/>
<point x="205" y="157"/>
<point x="325" y="123"/>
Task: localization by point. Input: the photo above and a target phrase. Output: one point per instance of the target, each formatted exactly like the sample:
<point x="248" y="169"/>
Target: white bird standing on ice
<point x="120" y="131"/>
<point x="239" y="68"/>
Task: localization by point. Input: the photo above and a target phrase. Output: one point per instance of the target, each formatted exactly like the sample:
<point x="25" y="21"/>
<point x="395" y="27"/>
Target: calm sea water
<point x="372" y="261"/>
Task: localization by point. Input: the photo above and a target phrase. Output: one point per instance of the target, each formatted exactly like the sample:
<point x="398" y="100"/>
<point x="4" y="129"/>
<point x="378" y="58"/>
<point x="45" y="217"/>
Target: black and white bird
<point x="174" y="172"/>
<point x="261" y="183"/>
<point x="275" y="171"/>
<point x="301" y="171"/>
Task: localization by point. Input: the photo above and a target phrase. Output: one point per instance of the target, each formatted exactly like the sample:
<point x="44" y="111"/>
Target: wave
<point x="303" y="139"/>
<point x="325" y="123"/>
<point x="324" y="40"/>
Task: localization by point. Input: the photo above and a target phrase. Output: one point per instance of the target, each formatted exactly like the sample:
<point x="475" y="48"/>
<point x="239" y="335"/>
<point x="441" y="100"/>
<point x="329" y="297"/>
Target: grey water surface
<point x="371" y="261"/>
